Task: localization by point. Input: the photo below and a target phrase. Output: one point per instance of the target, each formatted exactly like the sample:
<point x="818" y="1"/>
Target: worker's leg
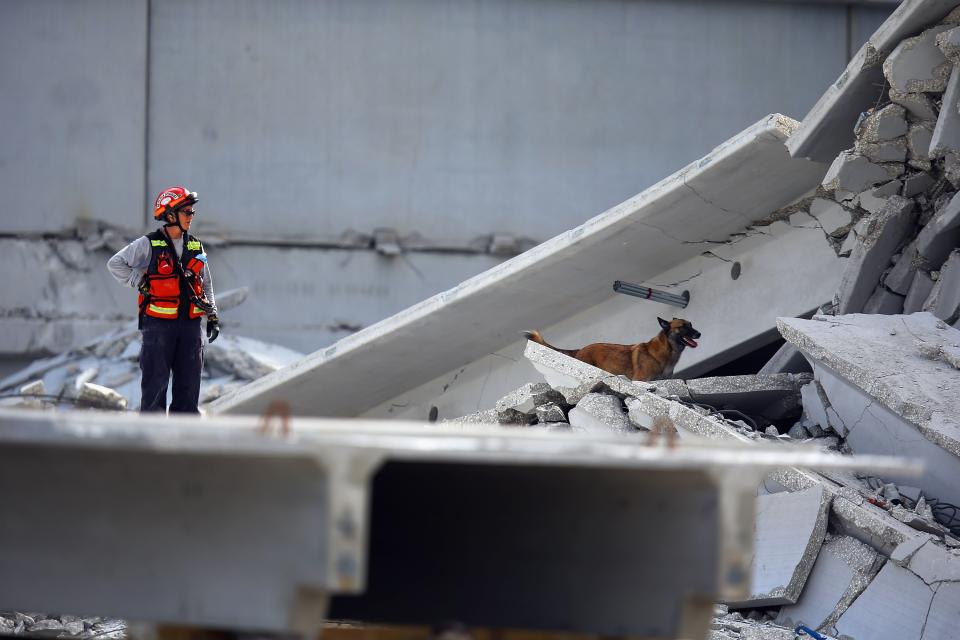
<point x="187" y="367"/>
<point x="156" y="358"/>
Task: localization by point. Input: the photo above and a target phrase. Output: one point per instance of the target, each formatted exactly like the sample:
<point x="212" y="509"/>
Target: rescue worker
<point x="169" y="268"/>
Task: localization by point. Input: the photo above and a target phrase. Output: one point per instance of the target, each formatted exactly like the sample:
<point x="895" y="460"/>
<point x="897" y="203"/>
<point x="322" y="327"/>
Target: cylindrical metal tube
<point x="655" y="295"/>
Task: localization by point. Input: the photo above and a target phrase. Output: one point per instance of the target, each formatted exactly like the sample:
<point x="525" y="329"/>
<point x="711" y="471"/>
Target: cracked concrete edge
<point x="799" y="578"/>
<point x="827" y="129"/>
<point x="862" y="577"/>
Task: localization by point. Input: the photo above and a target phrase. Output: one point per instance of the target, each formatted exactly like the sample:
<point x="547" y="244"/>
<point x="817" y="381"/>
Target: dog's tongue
<point x="690" y="342"/>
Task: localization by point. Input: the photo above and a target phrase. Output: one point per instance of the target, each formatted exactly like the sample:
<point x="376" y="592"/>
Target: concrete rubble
<point x="104" y="373"/>
<point x="822" y="541"/>
<point x="42" y="625"/>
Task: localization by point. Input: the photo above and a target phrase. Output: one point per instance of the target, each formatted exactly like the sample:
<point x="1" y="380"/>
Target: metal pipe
<point x="664" y="297"/>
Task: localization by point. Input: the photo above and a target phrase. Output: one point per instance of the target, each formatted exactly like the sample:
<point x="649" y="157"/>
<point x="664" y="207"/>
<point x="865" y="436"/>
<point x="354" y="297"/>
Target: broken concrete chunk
<point x="873" y="200"/>
<point x="949" y="44"/>
<point x="872" y="616"/>
<point x="899" y="278"/>
<point x="920" y="288"/>
<point x="917" y="183"/>
<point x="918" y="105"/>
<point x="883" y="302"/>
<point x="917" y="64"/>
<point x="815" y="403"/>
<point x="946" y="135"/>
<point x="528" y="397"/>
<point x="941" y="235"/>
<point x="885" y="151"/>
<point x="843" y="569"/>
<point x="885" y="124"/>
<point x="637" y="416"/>
<point x="798" y="432"/>
<point x="871" y="255"/>
<point x="854" y="173"/>
<point x="98" y="397"/>
<point x="918" y="140"/>
<point x="948" y="300"/>
<point x="34" y="388"/>
<point x="789" y="530"/>
<point x="919" y="521"/>
<point x="550" y="412"/>
<point x="832" y="217"/>
<point x="599" y="413"/>
<point x="936" y="564"/>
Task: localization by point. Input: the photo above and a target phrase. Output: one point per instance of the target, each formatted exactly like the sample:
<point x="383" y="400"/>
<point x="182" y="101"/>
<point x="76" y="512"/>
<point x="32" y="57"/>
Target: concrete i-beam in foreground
<point x="738" y="183"/>
<point x="217" y="522"/>
<point x="828" y="128"/>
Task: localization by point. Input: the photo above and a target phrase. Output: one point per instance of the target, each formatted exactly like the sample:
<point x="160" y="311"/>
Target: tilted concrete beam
<point x="828" y="128"/>
<point x="740" y="182"/>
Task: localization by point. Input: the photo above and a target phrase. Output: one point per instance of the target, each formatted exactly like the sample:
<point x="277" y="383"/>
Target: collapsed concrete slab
<point x="944" y="618"/>
<point x="828" y="128"/>
<point x="885" y="392"/>
<point x="843" y="569"/>
<point x="789" y="531"/>
<point x="740" y="182"/>
<point x="874" y="616"/>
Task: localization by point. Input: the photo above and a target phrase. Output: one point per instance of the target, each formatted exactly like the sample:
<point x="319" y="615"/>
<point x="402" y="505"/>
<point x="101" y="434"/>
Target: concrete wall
<point x="73" y="108"/>
<point x="449" y="120"/>
<point x="731" y="315"/>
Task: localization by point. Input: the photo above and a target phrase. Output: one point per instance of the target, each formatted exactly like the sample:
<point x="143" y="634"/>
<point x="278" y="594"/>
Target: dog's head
<point x="680" y="332"/>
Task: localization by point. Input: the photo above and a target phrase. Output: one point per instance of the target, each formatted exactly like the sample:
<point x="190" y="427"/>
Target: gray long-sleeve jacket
<point x="130" y="264"/>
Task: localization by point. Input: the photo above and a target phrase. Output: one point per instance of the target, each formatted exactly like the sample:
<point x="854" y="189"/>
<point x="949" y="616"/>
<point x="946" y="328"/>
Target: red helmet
<point x="171" y="200"/>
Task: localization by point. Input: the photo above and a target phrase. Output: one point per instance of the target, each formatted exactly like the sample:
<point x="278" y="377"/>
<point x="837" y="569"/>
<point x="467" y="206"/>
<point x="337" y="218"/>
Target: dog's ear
<point x="663" y="324"/>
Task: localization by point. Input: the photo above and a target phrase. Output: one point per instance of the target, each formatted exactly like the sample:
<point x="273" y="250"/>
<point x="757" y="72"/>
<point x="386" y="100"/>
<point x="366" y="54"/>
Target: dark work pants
<point x="171" y="346"/>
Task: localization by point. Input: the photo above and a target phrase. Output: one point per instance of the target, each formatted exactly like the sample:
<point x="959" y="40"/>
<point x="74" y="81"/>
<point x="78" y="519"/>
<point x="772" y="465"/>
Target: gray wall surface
<point x="451" y="119"/>
<point x="72" y="104"/>
<point x="444" y="119"/>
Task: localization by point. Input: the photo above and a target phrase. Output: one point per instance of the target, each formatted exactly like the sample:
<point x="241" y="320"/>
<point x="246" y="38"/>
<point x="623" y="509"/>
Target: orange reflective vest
<point x="169" y="297"/>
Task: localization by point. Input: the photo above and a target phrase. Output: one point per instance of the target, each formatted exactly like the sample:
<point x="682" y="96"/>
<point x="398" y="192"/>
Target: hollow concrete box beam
<point x="179" y="519"/>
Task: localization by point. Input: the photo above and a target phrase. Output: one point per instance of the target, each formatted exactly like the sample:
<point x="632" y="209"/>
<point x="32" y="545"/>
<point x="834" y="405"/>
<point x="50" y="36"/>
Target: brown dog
<point x="652" y="360"/>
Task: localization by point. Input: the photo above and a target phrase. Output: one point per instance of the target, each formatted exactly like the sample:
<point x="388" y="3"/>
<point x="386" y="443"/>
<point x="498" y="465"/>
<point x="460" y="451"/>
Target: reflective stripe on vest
<point x="170" y="311"/>
<point x="193" y="245"/>
<point x="158" y="243"/>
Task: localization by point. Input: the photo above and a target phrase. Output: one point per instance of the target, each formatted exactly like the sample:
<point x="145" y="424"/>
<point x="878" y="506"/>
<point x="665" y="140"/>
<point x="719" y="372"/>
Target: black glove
<point x="144" y="286"/>
<point x="213" y="327"/>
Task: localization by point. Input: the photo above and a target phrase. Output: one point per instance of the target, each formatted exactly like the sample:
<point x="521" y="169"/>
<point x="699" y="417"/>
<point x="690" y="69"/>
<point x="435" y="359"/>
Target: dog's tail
<point x="536" y="337"/>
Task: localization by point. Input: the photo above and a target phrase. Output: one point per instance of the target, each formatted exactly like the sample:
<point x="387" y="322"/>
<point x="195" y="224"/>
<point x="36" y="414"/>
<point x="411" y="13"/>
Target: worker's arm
<point x="130" y="263"/>
<point x="208" y="286"/>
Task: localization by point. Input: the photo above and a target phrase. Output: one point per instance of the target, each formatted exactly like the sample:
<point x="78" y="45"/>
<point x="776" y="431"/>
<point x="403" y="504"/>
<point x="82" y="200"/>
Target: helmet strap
<point x="175" y="222"/>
